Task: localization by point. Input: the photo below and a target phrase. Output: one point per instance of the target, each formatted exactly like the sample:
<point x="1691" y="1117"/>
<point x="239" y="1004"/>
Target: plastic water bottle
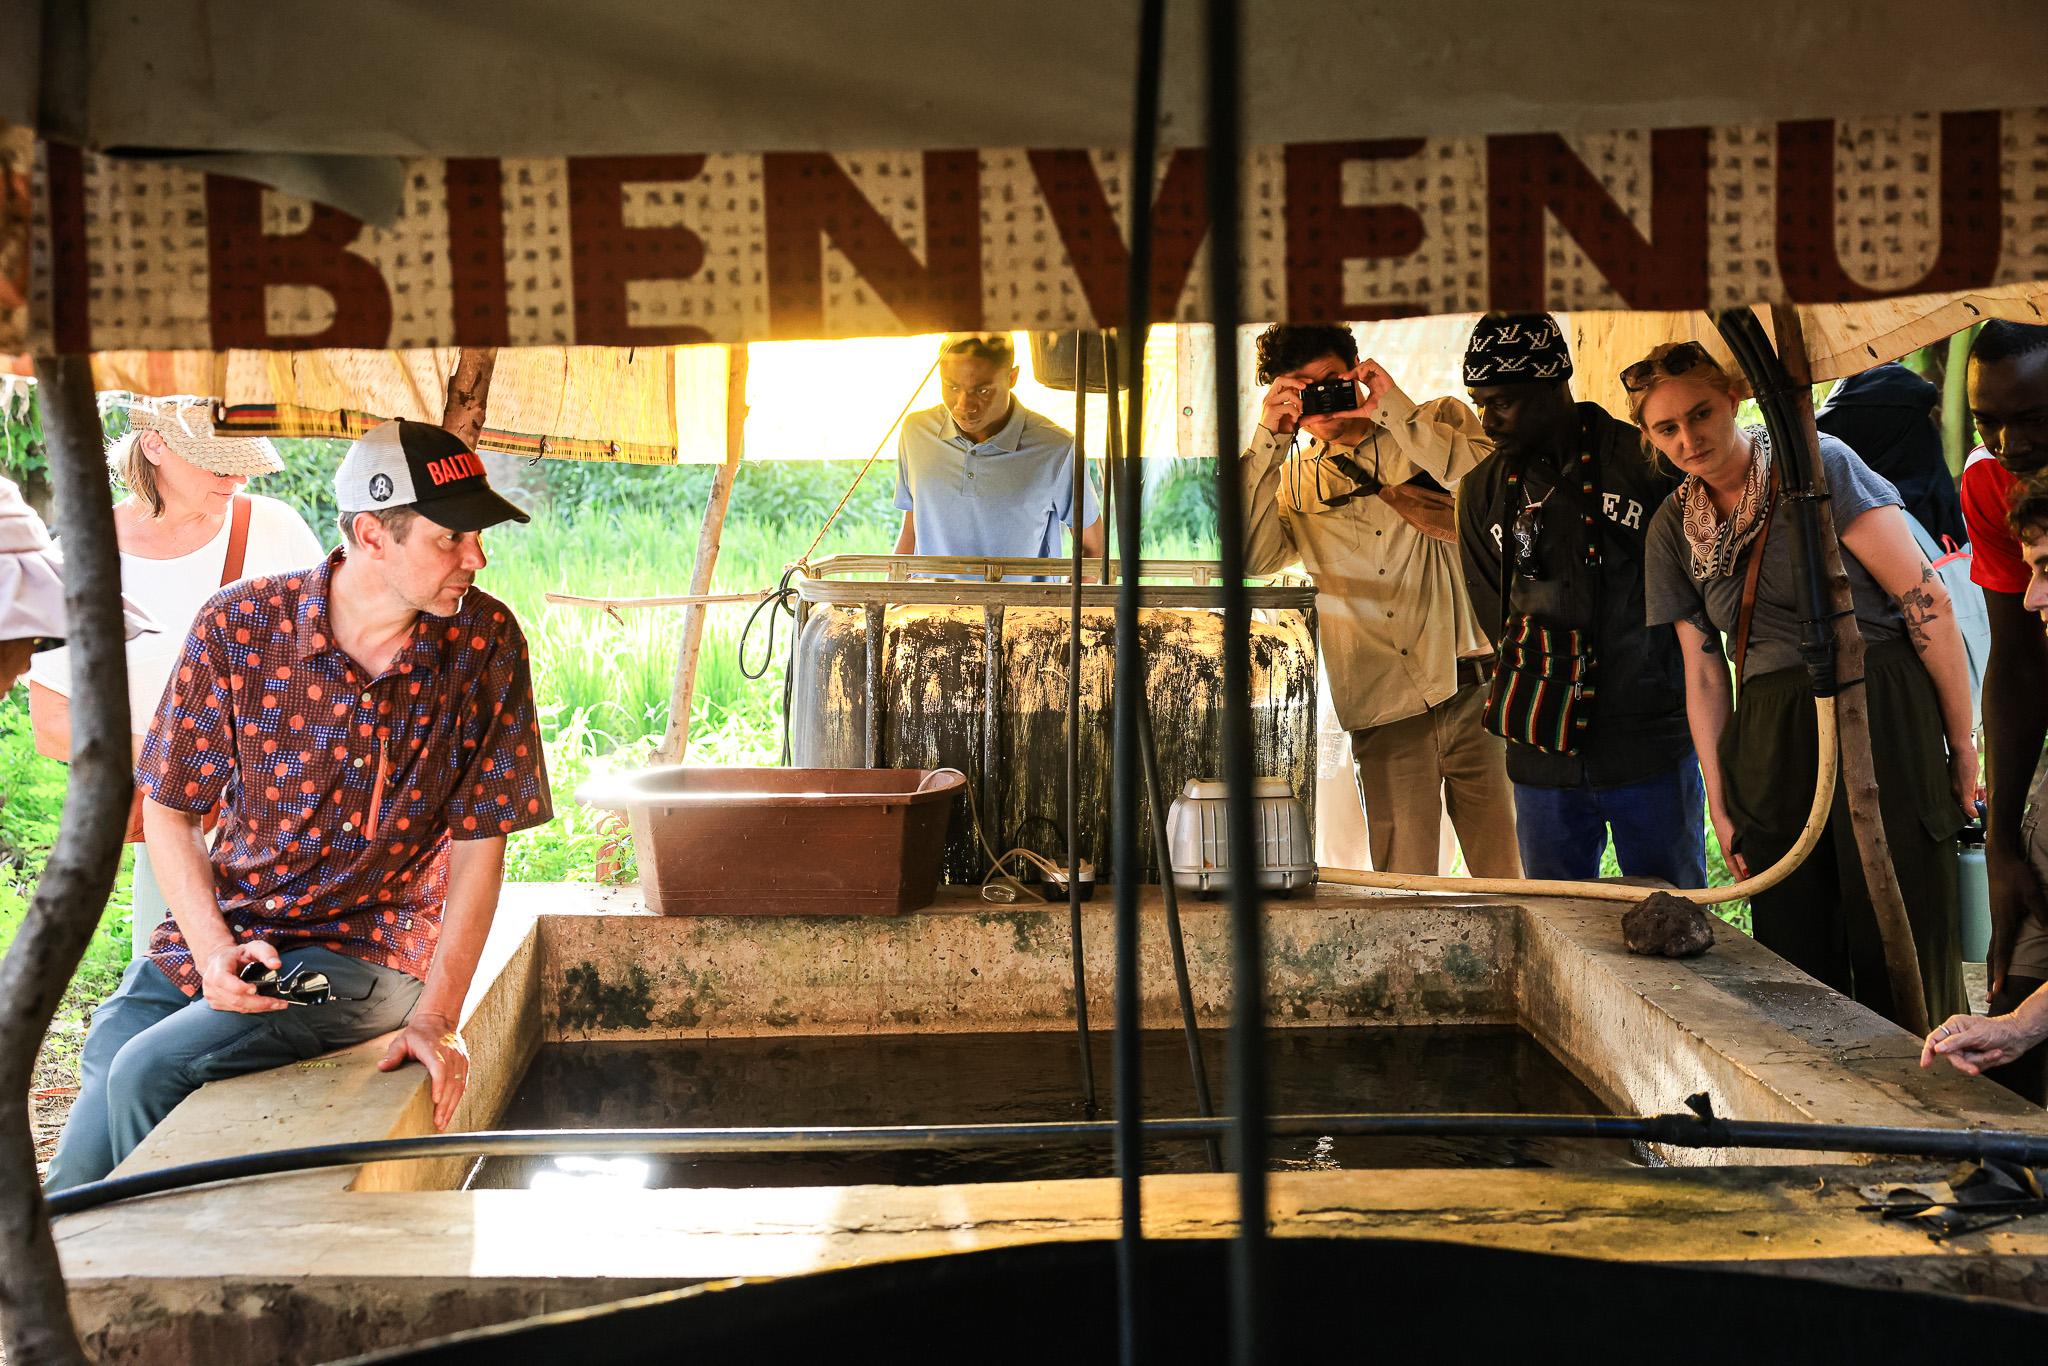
<point x="1973" y="885"/>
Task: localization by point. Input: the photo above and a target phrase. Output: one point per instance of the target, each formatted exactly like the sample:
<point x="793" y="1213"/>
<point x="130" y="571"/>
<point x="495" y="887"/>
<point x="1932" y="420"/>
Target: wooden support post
<point x="677" y="739"/>
<point x="1852" y="715"/>
<point x="469" y="393"/>
<point x="35" y="1316"/>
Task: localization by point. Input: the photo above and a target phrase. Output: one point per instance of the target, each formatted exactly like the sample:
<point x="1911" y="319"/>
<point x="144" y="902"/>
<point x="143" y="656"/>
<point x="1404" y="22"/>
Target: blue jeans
<point x="151" y="1045"/>
<point x="1659" y="827"/>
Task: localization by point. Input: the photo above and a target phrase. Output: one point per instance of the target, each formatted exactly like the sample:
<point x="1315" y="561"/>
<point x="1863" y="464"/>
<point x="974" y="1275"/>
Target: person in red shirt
<point x="2008" y="394"/>
<point x="369" y="724"/>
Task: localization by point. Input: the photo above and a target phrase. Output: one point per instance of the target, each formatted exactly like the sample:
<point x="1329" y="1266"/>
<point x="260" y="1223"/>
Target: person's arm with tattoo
<point x="1881" y="539"/>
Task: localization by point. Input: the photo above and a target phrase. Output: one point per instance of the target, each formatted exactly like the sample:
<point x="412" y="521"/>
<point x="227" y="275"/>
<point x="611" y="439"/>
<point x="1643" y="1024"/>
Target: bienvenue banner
<point x="671" y="250"/>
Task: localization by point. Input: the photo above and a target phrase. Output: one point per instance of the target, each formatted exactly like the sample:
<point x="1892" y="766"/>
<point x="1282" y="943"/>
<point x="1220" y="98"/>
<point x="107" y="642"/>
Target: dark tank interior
<point x="1025" y="1078"/>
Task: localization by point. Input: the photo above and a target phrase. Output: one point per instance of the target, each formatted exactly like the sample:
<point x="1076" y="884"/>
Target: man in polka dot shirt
<point x="366" y="727"/>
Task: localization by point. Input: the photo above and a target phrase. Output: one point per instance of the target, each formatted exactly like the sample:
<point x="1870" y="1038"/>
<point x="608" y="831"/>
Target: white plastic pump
<point x="1199" y="845"/>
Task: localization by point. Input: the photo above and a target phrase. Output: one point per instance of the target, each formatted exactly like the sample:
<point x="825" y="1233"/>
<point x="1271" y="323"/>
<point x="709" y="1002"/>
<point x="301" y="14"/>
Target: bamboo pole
<point x="616" y="605"/>
<point x="1859" y="771"/>
<point x="677" y="739"/>
<point x="35" y="1316"/>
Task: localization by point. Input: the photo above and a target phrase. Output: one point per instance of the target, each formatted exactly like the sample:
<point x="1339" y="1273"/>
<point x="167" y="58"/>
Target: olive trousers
<point x="1411" y="771"/>
<point x="1821" y="918"/>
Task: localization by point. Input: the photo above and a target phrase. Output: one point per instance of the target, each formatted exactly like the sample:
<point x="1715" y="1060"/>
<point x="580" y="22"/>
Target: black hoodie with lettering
<point x="1637" y="728"/>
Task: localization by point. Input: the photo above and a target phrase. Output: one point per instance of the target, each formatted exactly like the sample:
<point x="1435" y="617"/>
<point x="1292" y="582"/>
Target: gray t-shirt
<point x="1670" y="593"/>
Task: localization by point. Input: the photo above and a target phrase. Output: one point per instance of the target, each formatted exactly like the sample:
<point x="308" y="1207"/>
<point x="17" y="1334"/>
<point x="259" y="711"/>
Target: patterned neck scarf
<point x="1717" y="546"/>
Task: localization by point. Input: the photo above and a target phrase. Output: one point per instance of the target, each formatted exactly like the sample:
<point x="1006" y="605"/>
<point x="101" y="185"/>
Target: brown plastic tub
<point x="784" y="841"/>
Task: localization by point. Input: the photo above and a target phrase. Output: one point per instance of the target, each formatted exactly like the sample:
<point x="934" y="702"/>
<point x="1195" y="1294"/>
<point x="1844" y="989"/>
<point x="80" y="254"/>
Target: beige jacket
<point x="1393" y="614"/>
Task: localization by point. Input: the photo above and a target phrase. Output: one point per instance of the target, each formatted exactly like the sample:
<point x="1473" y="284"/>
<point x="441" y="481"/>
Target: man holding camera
<point x="1551" y="527"/>
<point x="1349" y="476"/>
<point x="981" y="474"/>
<point x="370" y="723"/>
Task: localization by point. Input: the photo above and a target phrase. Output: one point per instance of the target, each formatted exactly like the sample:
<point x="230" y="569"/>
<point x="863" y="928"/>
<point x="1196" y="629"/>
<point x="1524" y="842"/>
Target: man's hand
<point x="1282" y="407"/>
<point x="1429" y="512"/>
<point x="224" y="987"/>
<point x="1375" y="381"/>
<point x="1973" y="1042"/>
<point x="435" y="1044"/>
<point x="2015" y="895"/>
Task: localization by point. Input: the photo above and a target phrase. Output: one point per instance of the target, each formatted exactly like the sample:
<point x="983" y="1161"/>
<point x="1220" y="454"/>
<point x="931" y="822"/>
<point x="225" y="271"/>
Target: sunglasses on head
<point x="1673" y="363"/>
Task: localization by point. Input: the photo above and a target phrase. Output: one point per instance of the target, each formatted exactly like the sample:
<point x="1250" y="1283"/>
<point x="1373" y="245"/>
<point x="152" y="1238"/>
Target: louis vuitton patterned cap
<point x="1517" y="348"/>
<point x="400" y="463"/>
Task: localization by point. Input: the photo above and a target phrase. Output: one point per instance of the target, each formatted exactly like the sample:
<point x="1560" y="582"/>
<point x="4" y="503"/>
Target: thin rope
<point x="805" y="558"/>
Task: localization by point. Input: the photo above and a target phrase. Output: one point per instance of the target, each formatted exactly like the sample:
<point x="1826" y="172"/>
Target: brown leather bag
<point x="49" y="711"/>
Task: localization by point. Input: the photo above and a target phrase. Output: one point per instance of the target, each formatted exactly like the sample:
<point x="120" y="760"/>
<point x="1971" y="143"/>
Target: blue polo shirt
<point x="1005" y="498"/>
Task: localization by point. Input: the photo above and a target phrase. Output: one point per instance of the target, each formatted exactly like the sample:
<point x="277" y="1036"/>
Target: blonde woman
<point x="1720" y="567"/>
<point x="185" y="530"/>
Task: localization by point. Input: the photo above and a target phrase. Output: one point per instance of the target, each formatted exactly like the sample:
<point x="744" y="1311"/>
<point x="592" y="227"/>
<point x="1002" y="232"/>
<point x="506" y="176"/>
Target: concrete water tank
<point x="895" y="667"/>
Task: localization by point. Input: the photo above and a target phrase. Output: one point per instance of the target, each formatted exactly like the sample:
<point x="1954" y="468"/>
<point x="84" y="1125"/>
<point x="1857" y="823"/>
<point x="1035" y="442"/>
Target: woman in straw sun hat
<point x="186" y="529"/>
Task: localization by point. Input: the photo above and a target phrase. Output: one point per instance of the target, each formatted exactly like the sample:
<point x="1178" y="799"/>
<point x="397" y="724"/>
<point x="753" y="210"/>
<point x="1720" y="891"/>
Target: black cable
<point x="1224" y="170"/>
<point x="1130" y="680"/>
<point x="1074" y="728"/>
<point x="1127" y="1065"/>
<point x="1136" y="332"/>
<point x="782" y="597"/>
<point x="1155" y="802"/>
<point x="1701" y="1129"/>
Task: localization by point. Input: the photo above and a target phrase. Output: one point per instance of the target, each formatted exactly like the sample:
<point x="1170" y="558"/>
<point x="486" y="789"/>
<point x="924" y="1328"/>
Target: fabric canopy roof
<point x="552" y="78"/>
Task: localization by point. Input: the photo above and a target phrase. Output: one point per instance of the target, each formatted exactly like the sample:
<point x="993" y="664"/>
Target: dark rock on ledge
<point x="1667" y="925"/>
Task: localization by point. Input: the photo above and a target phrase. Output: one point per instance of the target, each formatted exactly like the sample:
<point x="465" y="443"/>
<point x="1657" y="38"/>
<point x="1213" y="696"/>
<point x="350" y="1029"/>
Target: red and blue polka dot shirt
<point x="341" y="792"/>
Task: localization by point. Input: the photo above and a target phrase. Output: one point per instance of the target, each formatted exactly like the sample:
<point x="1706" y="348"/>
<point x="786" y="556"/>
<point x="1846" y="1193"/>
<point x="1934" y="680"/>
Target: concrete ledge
<point x="1763" y="1039"/>
<point x="343" y="1098"/>
<point x="612" y="970"/>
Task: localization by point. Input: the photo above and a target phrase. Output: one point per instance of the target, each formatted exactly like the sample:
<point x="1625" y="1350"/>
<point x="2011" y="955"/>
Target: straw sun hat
<point x="186" y="425"/>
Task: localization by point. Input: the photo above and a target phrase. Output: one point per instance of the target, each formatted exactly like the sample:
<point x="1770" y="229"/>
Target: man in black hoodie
<point x="1885" y="416"/>
<point x="1557" y="514"/>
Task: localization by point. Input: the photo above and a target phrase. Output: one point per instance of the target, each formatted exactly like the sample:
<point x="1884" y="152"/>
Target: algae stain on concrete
<point x="586" y="1001"/>
<point x="1023" y="926"/>
<point x="1375" y="996"/>
<point x="703" y="993"/>
<point x="1466" y="968"/>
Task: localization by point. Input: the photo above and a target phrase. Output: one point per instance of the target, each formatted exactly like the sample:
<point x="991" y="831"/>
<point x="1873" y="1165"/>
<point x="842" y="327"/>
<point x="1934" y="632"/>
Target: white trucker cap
<point x="416" y="464"/>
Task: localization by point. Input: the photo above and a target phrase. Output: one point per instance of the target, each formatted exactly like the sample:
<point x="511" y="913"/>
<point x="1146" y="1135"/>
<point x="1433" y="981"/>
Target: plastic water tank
<point x="971" y="673"/>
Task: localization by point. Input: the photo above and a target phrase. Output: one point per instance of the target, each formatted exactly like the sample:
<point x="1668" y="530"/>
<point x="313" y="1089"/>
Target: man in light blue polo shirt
<point x="982" y="475"/>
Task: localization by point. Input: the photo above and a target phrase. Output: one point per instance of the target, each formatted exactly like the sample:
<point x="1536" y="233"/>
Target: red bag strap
<point x="238" y="540"/>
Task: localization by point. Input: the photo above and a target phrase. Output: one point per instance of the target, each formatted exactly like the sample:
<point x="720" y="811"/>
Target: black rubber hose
<point x="1675" y="1130"/>
<point x="1155" y="800"/>
<point x="1777" y="398"/>
<point x="1074" y="734"/>
<point x="1224" y="167"/>
<point x="1130" y="674"/>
